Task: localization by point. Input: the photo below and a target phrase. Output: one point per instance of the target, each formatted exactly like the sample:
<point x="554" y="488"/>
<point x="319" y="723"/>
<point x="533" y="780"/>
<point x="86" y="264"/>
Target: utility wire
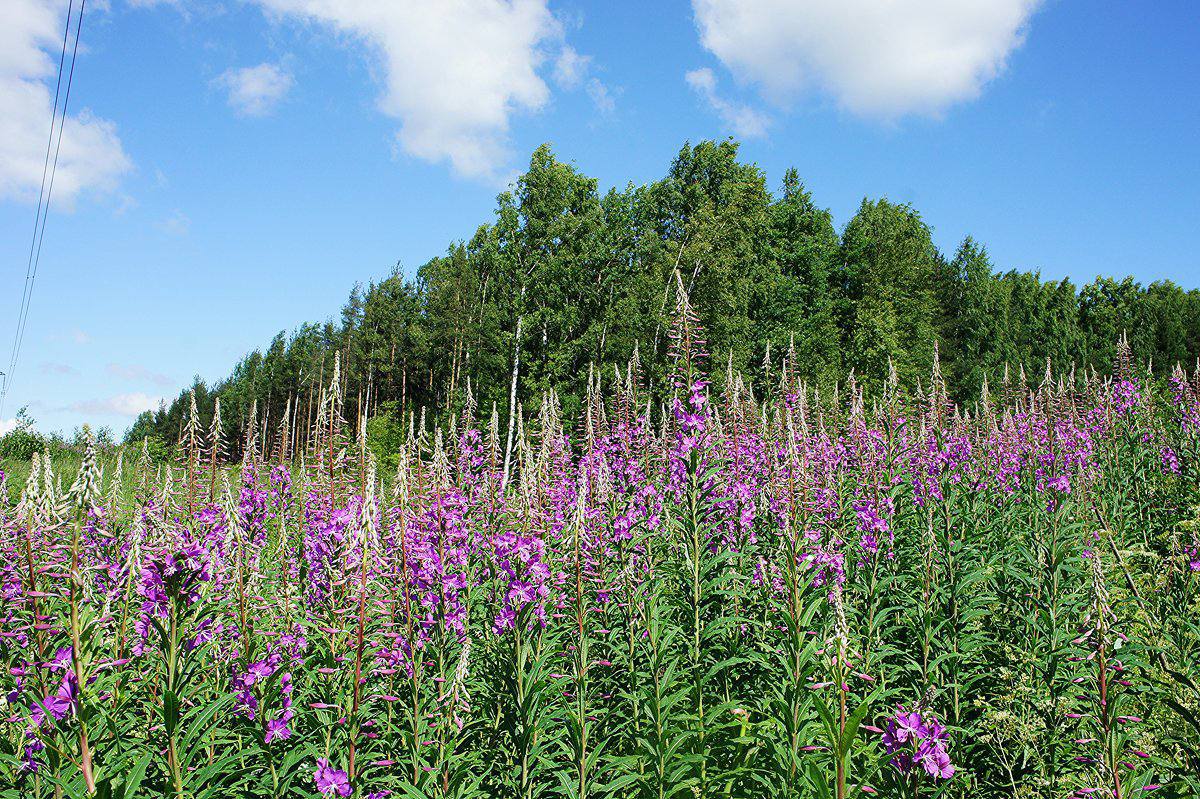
<point x="44" y="195"/>
<point x="41" y="198"/>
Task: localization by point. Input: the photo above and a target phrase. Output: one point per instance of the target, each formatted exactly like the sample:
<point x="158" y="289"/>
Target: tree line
<point x="566" y="281"/>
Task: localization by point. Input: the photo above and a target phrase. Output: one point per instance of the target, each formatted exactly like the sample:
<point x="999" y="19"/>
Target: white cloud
<point x="91" y="157"/>
<point x="255" y="91"/>
<point x="136" y="372"/>
<point x="7" y="426"/>
<point x="570" y="67"/>
<point x="119" y="405"/>
<point x="454" y="72"/>
<point x="571" y="71"/>
<point x="742" y="119"/>
<point x="882" y="59"/>
<point x="601" y="96"/>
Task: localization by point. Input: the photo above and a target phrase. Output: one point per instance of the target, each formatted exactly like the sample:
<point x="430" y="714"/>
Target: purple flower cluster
<point x="691" y="431"/>
<point x="1170" y="461"/>
<point x="172" y="577"/>
<point x="872" y="515"/>
<point x="250" y="687"/>
<point x="917" y="739"/>
<point x="439" y="551"/>
<point x="521" y="564"/>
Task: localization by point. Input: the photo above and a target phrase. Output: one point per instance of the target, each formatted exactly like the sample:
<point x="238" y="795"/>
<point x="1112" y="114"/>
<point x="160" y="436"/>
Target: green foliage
<point x="886" y="281"/>
<point x="22" y="441"/>
<point x="564" y="278"/>
<point x="385" y="435"/>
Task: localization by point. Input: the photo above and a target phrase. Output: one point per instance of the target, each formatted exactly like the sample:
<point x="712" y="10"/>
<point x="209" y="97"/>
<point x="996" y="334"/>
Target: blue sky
<point x="232" y="167"/>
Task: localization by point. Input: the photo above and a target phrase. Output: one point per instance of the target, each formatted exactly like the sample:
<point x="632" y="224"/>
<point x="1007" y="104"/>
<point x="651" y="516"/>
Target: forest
<point x="565" y="281"/>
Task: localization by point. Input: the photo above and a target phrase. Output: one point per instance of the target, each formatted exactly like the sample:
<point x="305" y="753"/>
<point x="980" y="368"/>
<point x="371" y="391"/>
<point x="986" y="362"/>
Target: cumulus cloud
<point x="881" y="59"/>
<point x="91" y="157"/>
<point x="454" y="73"/>
<point x="741" y="119"/>
<point x="256" y="91"/>
<point x="7" y="426"/>
<point x="118" y="405"/>
<point x="138" y="373"/>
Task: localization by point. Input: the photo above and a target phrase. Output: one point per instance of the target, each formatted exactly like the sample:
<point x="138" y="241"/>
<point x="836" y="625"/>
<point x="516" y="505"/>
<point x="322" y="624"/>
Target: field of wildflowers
<point x="774" y="593"/>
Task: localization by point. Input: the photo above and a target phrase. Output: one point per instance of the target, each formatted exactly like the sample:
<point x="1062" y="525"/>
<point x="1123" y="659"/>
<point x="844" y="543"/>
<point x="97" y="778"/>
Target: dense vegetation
<point x="565" y="278"/>
<point x="787" y="594"/>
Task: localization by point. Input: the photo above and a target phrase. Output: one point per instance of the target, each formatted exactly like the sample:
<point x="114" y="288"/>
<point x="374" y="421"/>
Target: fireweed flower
<point x="691" y="426"/>
<point x="1186" y="401"/>
<point x="1170" y="461"/>
<point x="521" y="565"/>
<point x="328" y="543"/>
<point x="1192" y="555"/>
<point x="827" y="559"/>
<point x="1125" y="396"/>
<point x="464" y="555"/>
<point x="917" y="742"/>
<point x="32" y="747"/>
<point x="264" y="686"/>
<point x="277" y="728"/>
<point x="252" y="512"/>
<point x="330" y="781"/>
<point x="872" y="517"/>
<point x="172" y="576"/>
<point x="742" y="479"/>
<point x="281" y="488"/>
<point x="63" y="702"/>
<point x="440" y="552"/>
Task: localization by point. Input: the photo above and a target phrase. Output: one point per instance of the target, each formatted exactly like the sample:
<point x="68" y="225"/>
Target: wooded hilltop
<point x="565" y="279"/>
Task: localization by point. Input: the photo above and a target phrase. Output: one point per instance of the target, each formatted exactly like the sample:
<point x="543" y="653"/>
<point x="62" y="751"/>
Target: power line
<point x="41" y="197"/>
<point x="44" y="194"/>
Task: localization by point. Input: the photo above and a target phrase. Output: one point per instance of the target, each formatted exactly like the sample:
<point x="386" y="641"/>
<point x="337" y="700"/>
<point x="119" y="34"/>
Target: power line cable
<point x="41" y="197"/>
<point x="46" y="191"/>
<point x="62" y="121"/>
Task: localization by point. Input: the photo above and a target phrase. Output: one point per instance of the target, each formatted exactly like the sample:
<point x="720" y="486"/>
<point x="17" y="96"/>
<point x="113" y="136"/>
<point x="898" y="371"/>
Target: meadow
<point x="762" y="591"/>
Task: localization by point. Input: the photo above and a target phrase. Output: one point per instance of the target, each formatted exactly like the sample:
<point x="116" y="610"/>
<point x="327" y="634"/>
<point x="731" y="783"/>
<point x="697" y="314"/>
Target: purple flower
<point x="903" y="728"/>
<point x="59" y="705"/>
<point x="277" y="729"/>
<point x="170" y="577"/>
<point x="915" y="738"/>
<point x="1170" y="461"/>
<point x="934" y="759"/>
<point x="330" y="780"/>
<point x="259" y="670"/>
<point x="33" y="745"/>
<point x="1061" y="484"/>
